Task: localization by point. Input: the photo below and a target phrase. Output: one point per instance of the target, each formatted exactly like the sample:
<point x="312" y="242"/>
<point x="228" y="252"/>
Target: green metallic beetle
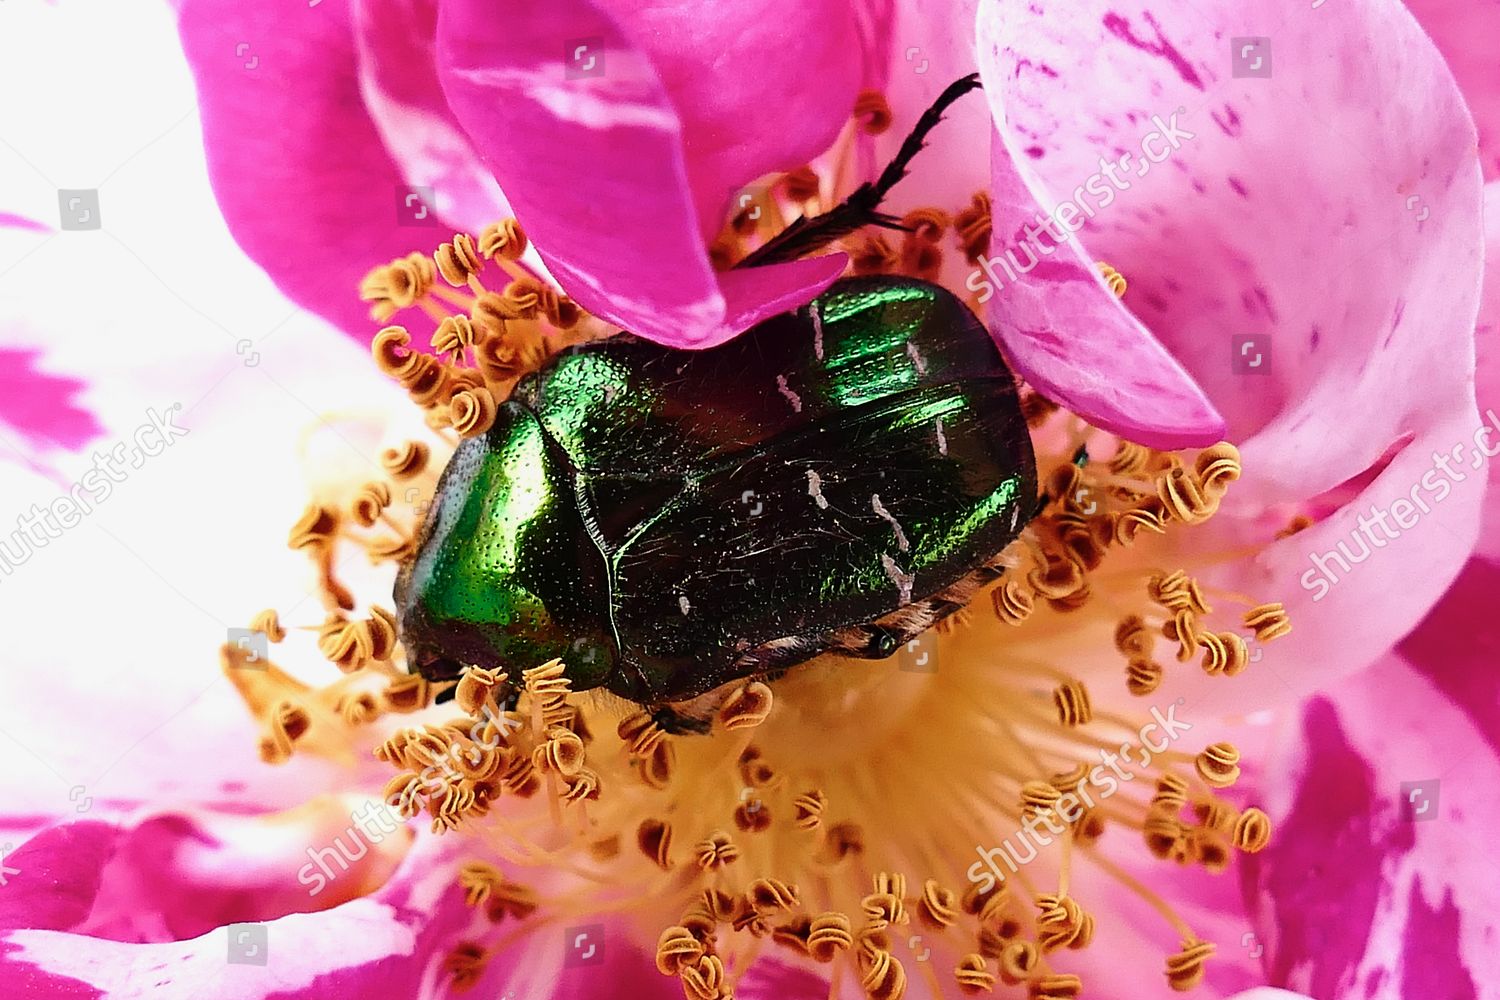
<point x="837" y="479"/>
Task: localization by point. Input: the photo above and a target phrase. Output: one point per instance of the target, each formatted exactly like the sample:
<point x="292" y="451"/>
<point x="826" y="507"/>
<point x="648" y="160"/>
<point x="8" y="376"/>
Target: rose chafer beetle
<point x="838" y="478"/>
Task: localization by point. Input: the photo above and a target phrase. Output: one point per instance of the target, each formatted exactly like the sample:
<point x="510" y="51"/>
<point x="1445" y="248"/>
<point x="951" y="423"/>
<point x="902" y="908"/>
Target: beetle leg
<point x="675" y="723"/>
<point x="862" y="208"/>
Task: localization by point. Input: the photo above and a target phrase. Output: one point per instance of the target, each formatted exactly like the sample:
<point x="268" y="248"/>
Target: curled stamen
<point x="885" y="977"/>
<point x="873" y="112"/>
<point x="801" y="184"/>
<point x="458" y="261"/>
<point x="1112" y="278"/>
<point x="972" y="226"/>
<point x="716" y="851"/>
<point x="1171" y="793"/>
<point x="1217" y="467"/>
<point x="476" y="689"/>
<point x="268" y="624"/>
<point x="504" y="239"/>
<point x="1269" y="621"/>
<point x="472" y="412"/>
<point x="1038" y="797"/>
<point x="316" y="527"/>
<point x="369" y="503"/>
<point x="1185" y="969"/>
<point x="808" y="809"/>
<point x="408" y="694"/>
<point x="676" y="947"/>
<point x="406" y="460"/>
<point x="936" y="905"/>
<point x="453" y="335"/>
<point x="1072" y="701"/>
<point x="1013" y="603"/>
<point x="1252" y="831"/>
<point x="1183" y="497"/>
<point x="1142" y="677"/>
<point x="974" y="976"/>
<point x="746" y="708"/>
<point x="654" y="837"/>
<point x="465" y="963"/>
<point x="287" y="724"/>
<point x="1219" y="765"/>
<point x="1019" y="961"/>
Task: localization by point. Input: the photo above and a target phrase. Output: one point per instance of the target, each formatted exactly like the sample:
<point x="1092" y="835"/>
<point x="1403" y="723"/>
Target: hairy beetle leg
<point x="669" y="720"/>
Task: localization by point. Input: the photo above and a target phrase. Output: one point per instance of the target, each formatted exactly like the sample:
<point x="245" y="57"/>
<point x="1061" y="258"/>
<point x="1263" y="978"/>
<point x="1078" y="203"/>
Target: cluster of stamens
<point x="742" y="839"/>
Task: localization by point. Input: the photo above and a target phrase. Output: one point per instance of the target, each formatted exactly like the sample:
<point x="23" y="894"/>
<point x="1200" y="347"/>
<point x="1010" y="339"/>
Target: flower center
<point x="855" y="808"/>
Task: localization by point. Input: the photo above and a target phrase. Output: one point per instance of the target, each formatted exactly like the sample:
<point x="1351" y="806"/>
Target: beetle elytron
<point x="838" y="478"/>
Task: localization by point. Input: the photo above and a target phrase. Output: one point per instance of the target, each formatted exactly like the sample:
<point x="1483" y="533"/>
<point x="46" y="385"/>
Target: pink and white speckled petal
<point x="1363" y="286"/>
<point x="1059" y="324"/>
<point x="1377" y="885"/>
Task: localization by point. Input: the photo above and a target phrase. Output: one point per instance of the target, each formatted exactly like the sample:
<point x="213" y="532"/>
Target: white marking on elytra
<point x="879" y="509"/>
<point x="902" y="580"/>
<point x="916" y="358"/>
<point x="815" y="490"/>
<point x="817" y="322"/>
<point x="682" y="602"/>
<point x="942" y="439"/>
<point x="786" y="390"/>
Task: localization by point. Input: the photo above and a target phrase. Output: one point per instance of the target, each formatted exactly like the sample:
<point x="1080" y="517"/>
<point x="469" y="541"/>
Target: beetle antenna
<point x="862" y="208"/>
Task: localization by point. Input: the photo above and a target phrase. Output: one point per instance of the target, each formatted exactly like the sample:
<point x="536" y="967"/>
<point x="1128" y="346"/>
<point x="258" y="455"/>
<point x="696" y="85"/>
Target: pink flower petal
<point x="1061" y="327"/>
<point x="1464" y="32"/>
<point x="739" y="122"/>
<point x="596" y="170"/>
<point x="931" y="46"/>
<point x="178" y="875"/>
<point x="1371" y="891"/>
<point x="1360" y="295"/>
<point x="298" y="166"/>
<point x="1487" y="351"/>
<point x="42" y="407"/>
<point x="383" y="944"/>
<point x="396" y="41"/>
<point x="10" y="220"/>
<point x="1456" y="656"/>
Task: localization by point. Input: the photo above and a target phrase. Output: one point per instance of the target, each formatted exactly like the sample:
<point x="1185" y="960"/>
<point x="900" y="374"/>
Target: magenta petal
<point x="10" y="220"/>
<point x="738" y="120"/>
<point x="397" y="42"/>
<point x="595" y="169"/>
<point x="382" y="944"/>
<point x="42" y="407"/>
<point x="298" y="167"/>
<point x="1377" y="885"/>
